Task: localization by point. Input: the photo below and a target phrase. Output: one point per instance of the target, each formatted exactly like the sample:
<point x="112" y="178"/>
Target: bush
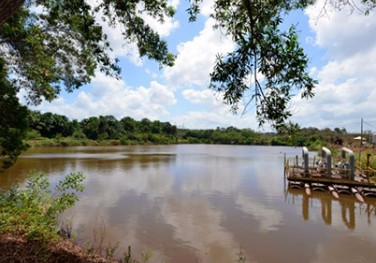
<point x="79" y="134"/>
<point x="32" y="211"/>
<point x="33" y="134"/>
<point x="278" y="142"/>
<point x="317" y="145"/>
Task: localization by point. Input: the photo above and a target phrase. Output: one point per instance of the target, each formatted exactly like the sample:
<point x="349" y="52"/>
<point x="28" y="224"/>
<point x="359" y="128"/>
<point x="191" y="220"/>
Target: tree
<point x="13" y="122"/>
<point x="50" y="125"/>
<point x="144" y="125"/>
<point x="109" y="127"/>
<point x="267" y="65"/>
<point x="62" y="46"/>
<point x="128" y="125"/>
<point x="270" y="57"/>
<point x="90" y="127"/>
<point x="169" y="129"/>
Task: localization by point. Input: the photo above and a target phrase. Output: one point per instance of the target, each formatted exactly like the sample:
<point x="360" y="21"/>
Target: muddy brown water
<point x="203" y="203"/>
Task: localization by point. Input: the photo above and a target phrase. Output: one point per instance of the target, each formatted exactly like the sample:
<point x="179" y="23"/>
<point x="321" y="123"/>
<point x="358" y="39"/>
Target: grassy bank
<point x="71" y="141"/>
<point x="29" y="231"/>
<point x="47" y="142"/>
<point x="28" y="221"/>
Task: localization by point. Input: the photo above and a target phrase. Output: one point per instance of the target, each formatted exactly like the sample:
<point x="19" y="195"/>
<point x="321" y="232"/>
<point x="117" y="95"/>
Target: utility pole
<point x="361" y="138"/>
<point x="361" y="132"/>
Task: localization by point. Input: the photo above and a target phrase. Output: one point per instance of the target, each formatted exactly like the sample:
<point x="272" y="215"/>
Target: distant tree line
<point x="127" y="130"/>
<point x="229" y="135"/>
<point x="292" y="135"/>
<point x="130" y="131"/>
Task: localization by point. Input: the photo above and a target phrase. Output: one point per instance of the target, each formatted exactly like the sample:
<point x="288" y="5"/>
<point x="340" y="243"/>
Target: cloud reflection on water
<point x="201" y="203"/>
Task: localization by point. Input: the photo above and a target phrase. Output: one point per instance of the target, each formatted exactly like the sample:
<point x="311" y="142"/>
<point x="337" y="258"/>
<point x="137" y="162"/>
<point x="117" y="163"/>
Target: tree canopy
<point x="50" y="45"/>
<point x="268" y="65"/>
<point x="13" y="121"/>
<point x="266" y="58"/>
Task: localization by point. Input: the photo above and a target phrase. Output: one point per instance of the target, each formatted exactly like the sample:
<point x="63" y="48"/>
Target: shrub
<point x="32" y="211"/>
<point x="32" y="135"/>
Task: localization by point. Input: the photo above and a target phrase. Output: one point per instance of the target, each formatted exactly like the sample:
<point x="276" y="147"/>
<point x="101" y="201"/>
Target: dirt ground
<point x="18" y="250"/>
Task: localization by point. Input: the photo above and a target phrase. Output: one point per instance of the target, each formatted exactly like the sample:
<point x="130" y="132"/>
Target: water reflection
<point x="347" y="204"/>
<point x="270" y="219"/>
<point x="201" y="203"/>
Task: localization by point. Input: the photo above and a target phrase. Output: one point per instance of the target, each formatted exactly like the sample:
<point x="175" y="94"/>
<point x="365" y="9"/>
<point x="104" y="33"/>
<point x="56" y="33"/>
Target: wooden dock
<point x="319" y="174"/>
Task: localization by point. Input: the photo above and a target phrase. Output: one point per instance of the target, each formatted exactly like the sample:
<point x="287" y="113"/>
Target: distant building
<point x="337" y="141"/>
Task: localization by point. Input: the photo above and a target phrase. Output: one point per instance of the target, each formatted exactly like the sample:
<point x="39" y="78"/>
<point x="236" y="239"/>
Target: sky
<point x="341" y="46"/>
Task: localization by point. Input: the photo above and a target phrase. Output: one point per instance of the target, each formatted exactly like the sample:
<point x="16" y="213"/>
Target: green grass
<point x="70" y="141"/>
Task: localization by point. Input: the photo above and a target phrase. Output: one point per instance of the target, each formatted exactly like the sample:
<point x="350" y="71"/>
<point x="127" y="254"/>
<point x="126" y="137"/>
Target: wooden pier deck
<point x="341" y="178"/>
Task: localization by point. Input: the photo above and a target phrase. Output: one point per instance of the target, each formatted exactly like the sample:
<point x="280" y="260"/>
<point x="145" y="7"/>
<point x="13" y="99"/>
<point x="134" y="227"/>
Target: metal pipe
<point x="307" y="189"/>
<point x="333" y="191"/>
<point x="351" y="160"/>
<point x="357" y="194"/>
<point x="305" y="159"/>
<point x="325" y="152"/>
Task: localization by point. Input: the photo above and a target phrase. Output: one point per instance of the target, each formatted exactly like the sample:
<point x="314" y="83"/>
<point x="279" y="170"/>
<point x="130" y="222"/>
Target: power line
<point x="373" y="126"/>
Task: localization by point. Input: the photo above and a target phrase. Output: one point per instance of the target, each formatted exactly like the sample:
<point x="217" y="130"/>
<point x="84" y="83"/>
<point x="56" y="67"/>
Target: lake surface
<point x="204" y="203"/>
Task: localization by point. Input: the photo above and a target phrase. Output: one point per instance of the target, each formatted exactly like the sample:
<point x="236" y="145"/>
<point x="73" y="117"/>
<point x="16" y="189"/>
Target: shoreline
<point x="18" y="249"/>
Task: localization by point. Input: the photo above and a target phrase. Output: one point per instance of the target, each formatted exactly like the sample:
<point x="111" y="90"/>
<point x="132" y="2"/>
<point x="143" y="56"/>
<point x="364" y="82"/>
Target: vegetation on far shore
<point x="48" y="129"/>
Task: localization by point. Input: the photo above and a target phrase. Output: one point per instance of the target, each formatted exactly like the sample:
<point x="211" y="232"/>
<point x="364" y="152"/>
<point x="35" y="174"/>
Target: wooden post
<point x="368" y="157"/>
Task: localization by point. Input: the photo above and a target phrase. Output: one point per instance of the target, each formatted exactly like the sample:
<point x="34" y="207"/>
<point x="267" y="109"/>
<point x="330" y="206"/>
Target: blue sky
<point x="340" y="45"/>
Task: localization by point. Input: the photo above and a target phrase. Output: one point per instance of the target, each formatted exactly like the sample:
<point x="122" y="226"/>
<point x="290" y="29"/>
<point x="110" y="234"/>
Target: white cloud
<point x="346" y="90"/>
<point x="119" y="46"/>
<point x="270" y="219"/>
<point x="196" y="58"/>
<point x="162" y="28"/>
<point x="199" y="225"/>
<point x="207" y="7"/>
<point x="122" y="47"/>
<point x="109" y="96"/>
<point x="214" y="113"/>
<point x="205" y="97"/>
<point x="344" y="33"/>
<point x="214" y="118"/>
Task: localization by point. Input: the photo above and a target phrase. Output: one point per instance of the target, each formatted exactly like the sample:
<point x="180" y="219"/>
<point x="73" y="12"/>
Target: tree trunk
<point x="8" y="7"/>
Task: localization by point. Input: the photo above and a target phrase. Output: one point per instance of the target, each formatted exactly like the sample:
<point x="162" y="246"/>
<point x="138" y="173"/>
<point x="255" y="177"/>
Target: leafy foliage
<point x="107" y="130"/>
<point x="128" y="130"/>
<point x="268" y="65"/>
<point x="50" y="125"/>
<point x="270" y="57"/>
<point x="32" y="211"/>
<point x="365" y="6"/>
<point x="63" y="45"/>
<point x="13" y="122"/>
